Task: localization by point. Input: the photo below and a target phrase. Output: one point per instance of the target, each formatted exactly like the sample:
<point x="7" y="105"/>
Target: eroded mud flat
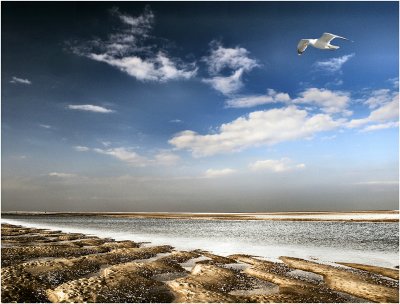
<point x="40" y="265"/>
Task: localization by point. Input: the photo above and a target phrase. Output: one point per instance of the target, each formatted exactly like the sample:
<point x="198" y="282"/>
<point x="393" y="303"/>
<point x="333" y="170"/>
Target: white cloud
<point x="276" y="165"/>
<point x="333" y="64"/>
<point x="236" y="61"/>
<point x="385" y="113"/>
<point x="162" y="158"/>
<point x="45" y="126"/>
<point x="20" y="80"/>
<point x="127" y="51"/>
<point x="81" y="148"/>
<point x="329" y="101"/>
<point x="387" y="125"/>
<point x="257" y="128"/>
<point x="213" y="173"/>
<point x="62" y="175"/>
<point x="125" y="155"/>
<point x="254" y="100"/>
<point x="90" y="108"/>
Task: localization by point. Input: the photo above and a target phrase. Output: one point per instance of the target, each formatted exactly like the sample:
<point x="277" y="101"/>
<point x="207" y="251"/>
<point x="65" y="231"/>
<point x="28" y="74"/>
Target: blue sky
<point x="199" y="106"/>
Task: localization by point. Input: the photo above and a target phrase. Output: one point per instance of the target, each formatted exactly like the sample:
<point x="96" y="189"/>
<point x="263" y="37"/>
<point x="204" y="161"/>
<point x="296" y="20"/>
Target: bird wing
<point x="328" y="37"/>
<point x="301" y="47"/>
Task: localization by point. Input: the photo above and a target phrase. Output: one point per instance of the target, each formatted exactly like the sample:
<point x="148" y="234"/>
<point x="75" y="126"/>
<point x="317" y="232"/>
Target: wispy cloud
<point x="90" y="108"/>
<point x="106" y="143"/>
<point x="227" y="84"/>
<point x="384" y="182"/>
<point x="162" y="158"/>
<point x="176" y="121"/>
<point x="379" y="97"/>
<point x="165" y="158"/>
<point x="325" y="100"/>
<point x="276" y="165"/>
<point x="388" y="112"/>
<point x="333" y="65"/>
<point x="81" y="148"/>
<point x="125" y="155"/>
<point x="20" y="157"/>
<point x="395" y="82"/>
<point x="231" y="58"/>
<point x="231" y="61"/>
<point x="62" y="175"/>
<point x="213" y="173"/>
<point x="255" y="100"/>
<point x="257" y="128"/>
<point x="382" y="126"/>
<point x="45" y="126"/>
<point x="130" y="50"/>
<point x="17" y="80"/>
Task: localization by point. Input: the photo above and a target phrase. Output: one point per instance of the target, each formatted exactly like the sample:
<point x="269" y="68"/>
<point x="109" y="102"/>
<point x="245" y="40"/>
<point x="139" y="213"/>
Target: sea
<point x="373" y="243"/>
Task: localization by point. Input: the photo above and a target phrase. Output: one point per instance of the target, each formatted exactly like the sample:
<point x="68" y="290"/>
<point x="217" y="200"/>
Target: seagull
<point x="322" y="43"/>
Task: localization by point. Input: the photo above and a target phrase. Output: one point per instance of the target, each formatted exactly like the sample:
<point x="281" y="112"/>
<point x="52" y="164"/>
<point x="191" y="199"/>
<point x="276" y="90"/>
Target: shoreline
<point x="323" y="216"/>
<point x="226" y="247"/>
<point x="48" y="265"/>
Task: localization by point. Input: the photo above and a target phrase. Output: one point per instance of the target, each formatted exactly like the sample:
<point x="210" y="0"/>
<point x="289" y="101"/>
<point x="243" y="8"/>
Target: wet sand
<point x="40" y="265"/>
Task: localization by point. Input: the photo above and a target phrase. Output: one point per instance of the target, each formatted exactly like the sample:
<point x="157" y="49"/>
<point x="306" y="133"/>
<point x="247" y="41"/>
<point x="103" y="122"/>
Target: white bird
<point x="322" y="43"/>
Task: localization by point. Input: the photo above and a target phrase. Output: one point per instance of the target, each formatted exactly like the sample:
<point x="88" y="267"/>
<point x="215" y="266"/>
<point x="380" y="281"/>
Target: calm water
<point x="373" y="243"/>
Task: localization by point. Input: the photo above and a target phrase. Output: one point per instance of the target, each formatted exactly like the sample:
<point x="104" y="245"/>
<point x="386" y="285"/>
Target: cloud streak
<point x="124" y="155"/>
<point x="333" y="65"/>
<point x="81" y="148"/>
<point x="90" y="108"/>
<point x="62" y="175"/>
<point x="17" y="80"/>
<point x="127" y="155"/>
<point x="276" y="165"/>
<point x="375" y="127"/>
<point x="255" y="100"/>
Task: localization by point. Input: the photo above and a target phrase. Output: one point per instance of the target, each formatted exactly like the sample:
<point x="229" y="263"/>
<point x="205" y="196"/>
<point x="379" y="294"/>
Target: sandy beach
<point x="41" y="265"/>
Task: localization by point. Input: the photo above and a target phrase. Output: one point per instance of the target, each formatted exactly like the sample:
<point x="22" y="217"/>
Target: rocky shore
<point x="51" y="266"/>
